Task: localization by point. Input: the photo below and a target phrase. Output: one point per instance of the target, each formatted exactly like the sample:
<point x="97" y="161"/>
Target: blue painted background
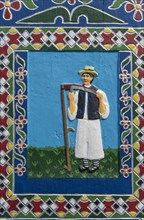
<point x="46" y="72"/>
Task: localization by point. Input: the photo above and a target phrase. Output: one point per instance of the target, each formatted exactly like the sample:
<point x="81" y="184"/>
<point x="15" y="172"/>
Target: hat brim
<point x="94" y="73"/>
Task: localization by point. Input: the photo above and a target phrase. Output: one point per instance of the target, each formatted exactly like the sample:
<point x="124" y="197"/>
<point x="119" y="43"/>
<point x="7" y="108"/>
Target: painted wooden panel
<point x="43" y="46"/>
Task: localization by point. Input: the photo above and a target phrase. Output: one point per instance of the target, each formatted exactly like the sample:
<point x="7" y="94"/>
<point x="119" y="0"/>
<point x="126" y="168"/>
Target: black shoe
<point x="93" y="169"/>
<point x="83" y="168"/>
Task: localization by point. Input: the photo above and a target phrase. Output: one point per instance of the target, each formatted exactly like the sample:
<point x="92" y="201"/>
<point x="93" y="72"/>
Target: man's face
<point x="86" y="78"/>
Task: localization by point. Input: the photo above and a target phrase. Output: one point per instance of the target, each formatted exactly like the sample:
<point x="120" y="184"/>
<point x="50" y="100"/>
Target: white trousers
<point x="89" y="140"/>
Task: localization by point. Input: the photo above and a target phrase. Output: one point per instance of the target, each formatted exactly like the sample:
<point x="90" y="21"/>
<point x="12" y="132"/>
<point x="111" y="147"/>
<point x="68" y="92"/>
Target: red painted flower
<point x="20" y="97"/>
<point x="71" y="2"/>
<point x="125" y="98"/>
<point x="7" y="6"/>
<point x="20" y="169"/>
<point x="126" y="170"/>
<point x="124" y="76"/>
<point x="20" y="145"/>
<point x="21" y="121"/>
<point x="125" y="122"/>
<point x="125" y="146"/>
<point x="137" y="7"/>
<point x="21" y="73"/>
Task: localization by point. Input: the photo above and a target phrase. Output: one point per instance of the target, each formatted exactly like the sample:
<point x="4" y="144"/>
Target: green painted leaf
<point x="22" y="134"/>
<point x="22" y="85"/>
<point x="125" y="109"/>
<point x="125" y="134"/>
<point x="92" y="14"/>
<point x="118" y="3"/>
<point x="85" y="1"/>
<point x="125" y="87"/>
<point x="20" y="61"/>
<point x="20" y="110"/>
<point x="59" y="1"/>
<point x="48" y="16"/>
<point x="125" y="62"/>
<point x="126" y="158"/>
<point x="29" y="4"/>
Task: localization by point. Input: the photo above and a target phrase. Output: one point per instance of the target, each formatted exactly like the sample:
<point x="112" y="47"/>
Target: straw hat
<point x="89" y="69"/>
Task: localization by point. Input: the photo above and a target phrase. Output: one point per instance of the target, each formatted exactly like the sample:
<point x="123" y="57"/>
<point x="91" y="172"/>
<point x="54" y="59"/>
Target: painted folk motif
<point x="8" y="6"/>
<point x="70" y="11"/>
<point x="131" y="40"/>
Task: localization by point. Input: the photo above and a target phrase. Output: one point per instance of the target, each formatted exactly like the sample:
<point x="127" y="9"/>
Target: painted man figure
<point x="89" y="105"/>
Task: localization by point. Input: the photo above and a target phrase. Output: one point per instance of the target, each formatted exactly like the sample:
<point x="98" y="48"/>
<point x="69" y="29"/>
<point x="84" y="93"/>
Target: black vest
<point x="93" y="105"/>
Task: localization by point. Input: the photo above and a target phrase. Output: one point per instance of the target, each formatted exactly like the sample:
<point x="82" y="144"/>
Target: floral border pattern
<point x="75" y="206"/>
<point x="125" y="114"/>
<point x="20" y="114"/>
<point x="15" y="5"/>
<point x="135" y="7"/>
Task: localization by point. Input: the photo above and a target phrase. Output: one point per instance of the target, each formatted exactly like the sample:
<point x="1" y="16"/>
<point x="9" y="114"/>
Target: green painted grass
<point x="48" y="162"/>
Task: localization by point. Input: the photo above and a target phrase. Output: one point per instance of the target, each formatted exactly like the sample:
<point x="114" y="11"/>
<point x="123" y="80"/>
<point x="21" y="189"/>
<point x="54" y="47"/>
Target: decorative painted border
<point x="125" y="115"/>
<point x="74" y="206"/>
<point x="133" y="7"/>
<point x="20" y="95"/>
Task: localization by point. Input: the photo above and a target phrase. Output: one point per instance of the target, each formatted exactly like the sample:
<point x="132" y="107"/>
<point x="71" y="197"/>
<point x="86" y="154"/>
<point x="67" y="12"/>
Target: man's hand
<point x="99" y="95"/>
<point x="71" y="96"/>
<point x="102" y="106"/>
<point x="72" y="104"/>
